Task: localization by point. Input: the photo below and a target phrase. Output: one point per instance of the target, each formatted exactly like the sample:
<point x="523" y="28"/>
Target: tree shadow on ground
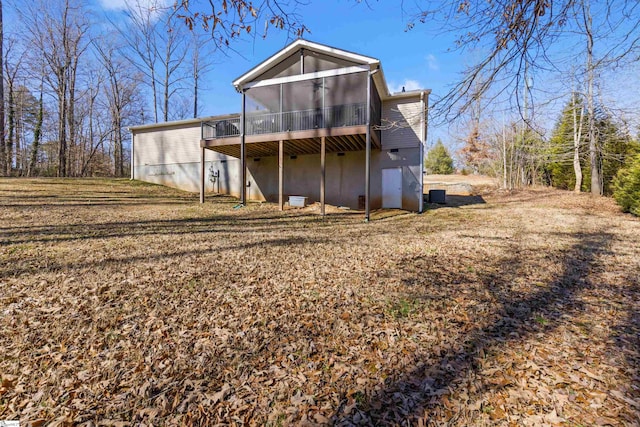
<point x="627" y="334"/>
<point x="455" y="201"/>
<point x="215" y="224"/>
<point x="420" y="394"/>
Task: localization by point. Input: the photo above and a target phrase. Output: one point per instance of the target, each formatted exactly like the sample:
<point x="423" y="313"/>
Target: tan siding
<point x="169" y="145"/>
<point x="401" y="121"/>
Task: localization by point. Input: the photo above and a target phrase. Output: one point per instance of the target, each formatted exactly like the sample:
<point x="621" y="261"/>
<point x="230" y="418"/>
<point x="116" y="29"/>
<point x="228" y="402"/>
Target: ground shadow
<point x="418" y="394"/>
<point x="454" y="201"/>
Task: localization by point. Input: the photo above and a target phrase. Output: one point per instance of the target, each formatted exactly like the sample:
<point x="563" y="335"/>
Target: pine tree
<point x="626" y="186"/>
<point x="614" y="146"/>
<point x="439" y="160"/>
<point x="561" y="149"/>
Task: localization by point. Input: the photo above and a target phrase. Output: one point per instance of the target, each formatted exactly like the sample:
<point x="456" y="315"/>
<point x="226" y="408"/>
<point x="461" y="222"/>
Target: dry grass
<point x="132" y="304"/>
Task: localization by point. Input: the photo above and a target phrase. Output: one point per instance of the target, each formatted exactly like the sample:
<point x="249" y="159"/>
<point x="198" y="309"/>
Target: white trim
<point x="316" y="47"/>
<point x="182" y="122"/>
<point x="307" y="76"/>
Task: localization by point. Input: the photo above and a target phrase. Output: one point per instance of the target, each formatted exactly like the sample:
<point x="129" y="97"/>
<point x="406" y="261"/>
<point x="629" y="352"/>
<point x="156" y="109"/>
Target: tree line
<point x="74" y="80"/>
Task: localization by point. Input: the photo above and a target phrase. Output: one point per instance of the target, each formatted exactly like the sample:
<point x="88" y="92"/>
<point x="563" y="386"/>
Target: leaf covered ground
<point x="131" y="304"/>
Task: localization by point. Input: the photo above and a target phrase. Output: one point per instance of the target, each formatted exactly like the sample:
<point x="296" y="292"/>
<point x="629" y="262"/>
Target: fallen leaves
<point x="151" y="309"/>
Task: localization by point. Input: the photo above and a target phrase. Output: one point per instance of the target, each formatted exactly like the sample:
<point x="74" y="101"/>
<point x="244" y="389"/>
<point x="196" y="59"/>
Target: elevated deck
<point x="343" y="127"/>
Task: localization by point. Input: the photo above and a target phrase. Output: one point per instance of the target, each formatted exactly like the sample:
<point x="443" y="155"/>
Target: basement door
<point x="392" y="188"/>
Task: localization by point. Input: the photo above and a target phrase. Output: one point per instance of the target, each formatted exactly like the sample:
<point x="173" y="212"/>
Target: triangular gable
<point x="318" y="57"/>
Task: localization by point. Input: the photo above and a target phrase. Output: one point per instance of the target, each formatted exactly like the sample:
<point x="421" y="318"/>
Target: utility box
<point x="438" y="196"/>
<point x="297" y="201"/>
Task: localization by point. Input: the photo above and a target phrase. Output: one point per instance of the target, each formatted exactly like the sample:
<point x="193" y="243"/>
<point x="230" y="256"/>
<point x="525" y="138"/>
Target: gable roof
<point x="296" y="46"/>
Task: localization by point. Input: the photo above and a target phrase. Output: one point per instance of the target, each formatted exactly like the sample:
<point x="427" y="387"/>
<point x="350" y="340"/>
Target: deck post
<point x="243" y="153"/>
<point x="281" y="174"/>
<point x="322" y="173"/>
<point x="202" y="153"/>
<point x="367" y="167"/>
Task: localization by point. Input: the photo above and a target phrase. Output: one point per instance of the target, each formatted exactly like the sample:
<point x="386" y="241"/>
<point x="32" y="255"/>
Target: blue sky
<point x="419" y="58"/>
<point x="413" y="59"/>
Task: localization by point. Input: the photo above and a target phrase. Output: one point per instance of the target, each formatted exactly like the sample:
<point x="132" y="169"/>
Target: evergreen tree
<point x="626" y="186"/>
<point x="561" y="150"/>
<point x="439" y="160"/>
<point x="613" y="148"/>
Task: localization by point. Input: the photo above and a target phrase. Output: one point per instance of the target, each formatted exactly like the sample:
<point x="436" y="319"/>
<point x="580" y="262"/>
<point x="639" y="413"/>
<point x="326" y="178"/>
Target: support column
<point x="202" y="174"/>
<point x="367" y="167"/>
<point x="243" y="154"/>
<point x="281" y="174"/>
<point x="322" y="173"/>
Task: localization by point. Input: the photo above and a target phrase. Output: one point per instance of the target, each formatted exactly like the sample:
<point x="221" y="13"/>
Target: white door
<point x="392" y="188"/>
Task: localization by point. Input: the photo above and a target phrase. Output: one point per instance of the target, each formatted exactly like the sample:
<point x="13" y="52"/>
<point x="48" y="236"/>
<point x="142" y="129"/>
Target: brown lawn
<point x="128" y="304"/>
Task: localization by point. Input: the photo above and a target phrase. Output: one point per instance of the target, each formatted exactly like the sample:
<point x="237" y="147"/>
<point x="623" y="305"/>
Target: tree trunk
<point x="62" y="127"/>
<point x="11" y="125"/>
<point x="166" y="82"/>
<point x="196" y="72"/>
<point x="36" y="135"/>
<point x="596" y="178"/>
<point x="577" y="138"/>
<point x="3" y="154"/>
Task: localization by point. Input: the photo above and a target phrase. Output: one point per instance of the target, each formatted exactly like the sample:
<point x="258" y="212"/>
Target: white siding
<point x="167" y="145"/>
<point x="402" y="123"/>
<point x="170" y="155"/>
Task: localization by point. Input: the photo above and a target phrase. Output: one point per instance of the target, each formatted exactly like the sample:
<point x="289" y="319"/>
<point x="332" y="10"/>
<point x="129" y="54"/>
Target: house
<point x="314" y="121"/>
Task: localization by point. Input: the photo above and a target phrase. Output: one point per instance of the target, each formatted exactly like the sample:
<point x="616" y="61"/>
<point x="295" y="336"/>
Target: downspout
<point x="423" y="137"/>
<point x="243" y="166"/>
<point x="367" y="181"/>
<point x="132" y="155"/>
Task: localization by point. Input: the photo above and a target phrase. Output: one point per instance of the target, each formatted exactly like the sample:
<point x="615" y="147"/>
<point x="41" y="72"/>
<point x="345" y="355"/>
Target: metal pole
<point x="243" y="160"/>
<point x="281" y="174"/>
<point x="367" y="168"/>
<point x="322" y="173"/>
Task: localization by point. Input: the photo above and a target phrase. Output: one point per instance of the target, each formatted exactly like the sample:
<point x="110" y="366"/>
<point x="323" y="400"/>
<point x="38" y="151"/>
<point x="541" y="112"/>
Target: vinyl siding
<point x="167" y="145"/>
<point x="402" y="123"/>
<point x="170" y="155"/>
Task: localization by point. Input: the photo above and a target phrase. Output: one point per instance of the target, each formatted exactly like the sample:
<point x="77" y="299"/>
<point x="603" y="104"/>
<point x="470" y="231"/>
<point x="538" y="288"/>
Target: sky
<point x="413" y="59"/>
<point x="420" y="58"/>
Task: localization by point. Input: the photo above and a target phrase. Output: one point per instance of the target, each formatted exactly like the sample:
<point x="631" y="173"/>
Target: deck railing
<point x="263" y="123"/>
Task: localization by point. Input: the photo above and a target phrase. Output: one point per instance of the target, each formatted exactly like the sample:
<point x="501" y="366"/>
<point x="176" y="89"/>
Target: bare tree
<point x="3" y="154"/>
<point x="60" y="35"/>
<point x="228" y="20"/>
<point x="142" y="43"/>
<point x="120" y="92"/>
<point x="577" y="141"/>
<point x="515" y="33"/>
<point x="37" y="131"/>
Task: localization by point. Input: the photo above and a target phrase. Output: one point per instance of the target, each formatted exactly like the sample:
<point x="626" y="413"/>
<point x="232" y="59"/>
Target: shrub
<point x="626" y="186"/>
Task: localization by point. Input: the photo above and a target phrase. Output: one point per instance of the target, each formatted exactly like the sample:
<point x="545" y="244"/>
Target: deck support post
<point x="322" y="173"/>
<point x="243" y="153"/>
<point x="367" y="167"/>
<point x="281" y="174"/>
<point x="202" y="174"/>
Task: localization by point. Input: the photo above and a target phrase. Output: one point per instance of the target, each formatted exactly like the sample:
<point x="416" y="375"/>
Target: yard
<point x="125" y="303"/>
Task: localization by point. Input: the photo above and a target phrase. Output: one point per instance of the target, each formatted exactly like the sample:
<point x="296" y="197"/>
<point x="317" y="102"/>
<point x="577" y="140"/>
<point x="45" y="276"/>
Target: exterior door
<point x="392" y="188"/>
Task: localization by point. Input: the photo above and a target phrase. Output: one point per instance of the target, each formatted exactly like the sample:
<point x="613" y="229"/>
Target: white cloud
<point x="151" y="5"/>
<point x="408" y="85"/>
<point x="113" y="4"/>
<point x="432" y="63"/>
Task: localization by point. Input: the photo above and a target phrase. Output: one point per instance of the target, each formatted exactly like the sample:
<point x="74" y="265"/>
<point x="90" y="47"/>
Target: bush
<point x="626" y="186"/>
